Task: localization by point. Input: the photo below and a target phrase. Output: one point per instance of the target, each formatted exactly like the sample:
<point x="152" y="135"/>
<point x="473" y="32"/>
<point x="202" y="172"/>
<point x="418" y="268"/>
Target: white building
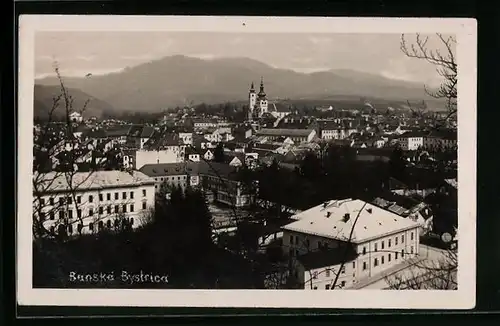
<point x="295" y="135"/>
<point x="76" y="117"/>
<point x="411" y="141"/>
<point x="169" y="154"/>
<point x="92" y="200"/>
<point x="375" y="239"/>
<point x="186" y="137"/>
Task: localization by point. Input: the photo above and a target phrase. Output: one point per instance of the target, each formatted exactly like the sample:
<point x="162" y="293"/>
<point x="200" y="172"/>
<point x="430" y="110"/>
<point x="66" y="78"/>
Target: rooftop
<point x="60" y="182"/>
<point x="284" y="132"/>
<point x="329" y="220"/>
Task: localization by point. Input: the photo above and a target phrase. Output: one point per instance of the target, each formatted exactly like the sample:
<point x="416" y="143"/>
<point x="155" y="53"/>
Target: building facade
<point x="376" y="239"/>
<point x="93" y="201"/>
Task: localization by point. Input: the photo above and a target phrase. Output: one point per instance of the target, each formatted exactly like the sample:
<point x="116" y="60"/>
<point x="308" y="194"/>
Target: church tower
<point x="262" y="99"/>
<point x="252" y="98"/>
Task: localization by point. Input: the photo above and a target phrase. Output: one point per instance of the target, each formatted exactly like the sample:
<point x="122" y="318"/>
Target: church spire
<point x="262" y="93"/>
<point x="252" y="88"/>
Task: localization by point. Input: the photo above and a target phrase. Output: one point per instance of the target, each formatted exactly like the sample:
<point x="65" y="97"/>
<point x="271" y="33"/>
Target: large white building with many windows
<point x="350" y="237"/>
<point x="88" y="202"/>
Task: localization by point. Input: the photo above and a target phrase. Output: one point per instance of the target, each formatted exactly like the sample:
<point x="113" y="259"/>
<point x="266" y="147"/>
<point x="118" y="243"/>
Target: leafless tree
<point x="446" y="66"/>
<point x="438" y="274"/>
<point x="58" y="196"/>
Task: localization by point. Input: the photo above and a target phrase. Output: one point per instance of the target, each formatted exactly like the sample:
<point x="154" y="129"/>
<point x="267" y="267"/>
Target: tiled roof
<point x="373" y="222"/>
<point x="284" y="132"/>
<point x="165" y="169"/>
<point x="56" y="182"/>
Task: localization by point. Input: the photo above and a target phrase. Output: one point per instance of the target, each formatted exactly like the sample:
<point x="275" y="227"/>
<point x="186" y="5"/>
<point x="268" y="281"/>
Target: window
<point x="375" y="246"/>
<point x="402" y="253"/>
<point x="79" y="199"/>
<point x="108" y="209"/>
<point x="108" y="224"/>
<point x="315" y="275"/>
<point x="101" y="197"/>
<point x="411" y="236"/>
<point x="396" y="256"/>
<point x="124" y="208"/>
<point x="389" y="243"/>
<point x="79" y="213"/>
<point x="327" y="272"/>
<point x="61" y="214"/>
<point x="364" y="250"/>
<point x="117" y="223"/>
<point x="70" y="229"/>
<point x="117" y="209"/>
<point x="382" y="245"/>
<point x="144" y="192"/>
<point x="124" y="195"/>
<point x="42" y="201"/>
<point x="411" y="249"/>
<point x="382" y="260"/>
<point x="389" y="257"/>
<point x="403" y="238"/>
<point x="91" y="198"/>
<point x="131" y="207"/>
<point x="91" y="226"/>
<point x="116" y="196"/>
<point x="91" y="212"/>
<point x="61" y="200"/>
<point x="376" y="262"/>
<point x="315" y="287"/>
<point x="70" y="200"/>
<point x="143" y="205"/>
<point x="327" y="287"/>
<point x="42" y="216"/>
<point x="396" y="241"/>
<point x="100" y="210"/>
<point x="108" y="196"/>
<point x="70" y="214"/>
<point x="131" y="195"/>
<point x="343" y="270"/>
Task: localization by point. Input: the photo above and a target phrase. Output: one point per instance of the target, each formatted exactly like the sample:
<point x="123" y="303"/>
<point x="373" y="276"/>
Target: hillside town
<point x="317" y="199"/>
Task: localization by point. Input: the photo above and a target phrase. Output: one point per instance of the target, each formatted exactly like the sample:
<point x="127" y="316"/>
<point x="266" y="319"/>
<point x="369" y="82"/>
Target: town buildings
<point x="87" y="202"/>
<point x="350" y="237"/>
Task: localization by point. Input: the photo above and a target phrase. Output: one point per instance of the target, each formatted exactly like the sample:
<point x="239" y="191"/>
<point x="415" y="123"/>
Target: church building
<point x="258" y="104"/>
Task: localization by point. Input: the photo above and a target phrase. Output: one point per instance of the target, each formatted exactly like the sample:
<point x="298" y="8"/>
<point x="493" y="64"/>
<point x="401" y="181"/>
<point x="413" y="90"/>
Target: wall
<point x="90" y="207"/>
<point x="355" y="272"/>
<point x="173" y="154"/>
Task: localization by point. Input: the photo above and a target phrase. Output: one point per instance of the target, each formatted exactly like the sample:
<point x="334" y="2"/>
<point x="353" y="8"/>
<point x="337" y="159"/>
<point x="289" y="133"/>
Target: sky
<point x="79" y="53"/>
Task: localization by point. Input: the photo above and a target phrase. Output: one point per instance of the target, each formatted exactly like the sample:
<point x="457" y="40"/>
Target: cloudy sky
<point x="79" y="53"/>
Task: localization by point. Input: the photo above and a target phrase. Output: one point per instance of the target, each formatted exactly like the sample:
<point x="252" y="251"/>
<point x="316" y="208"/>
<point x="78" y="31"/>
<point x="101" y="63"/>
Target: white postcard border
<point x="463" y="298"/>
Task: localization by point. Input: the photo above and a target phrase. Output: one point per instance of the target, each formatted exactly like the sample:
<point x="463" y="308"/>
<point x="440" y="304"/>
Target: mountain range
<point x="180" y="80"/>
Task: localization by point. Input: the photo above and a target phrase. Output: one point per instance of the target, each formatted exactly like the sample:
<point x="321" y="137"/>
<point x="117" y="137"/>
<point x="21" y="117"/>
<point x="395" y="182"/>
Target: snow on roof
<point x="61" y="182"/>
<point x="327" y="220"/>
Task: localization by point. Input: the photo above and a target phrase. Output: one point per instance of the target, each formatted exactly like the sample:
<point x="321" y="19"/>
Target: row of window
<point x="389" y="258"/>
<point x="173" y="178"/>
<point x="69" y="230"/>
<point x="389" y="243"/>
<point x="109" y="210"/>
<point x="327" y="286"/>
<point x="328" y="271"/>
<point x="69" y="199"/>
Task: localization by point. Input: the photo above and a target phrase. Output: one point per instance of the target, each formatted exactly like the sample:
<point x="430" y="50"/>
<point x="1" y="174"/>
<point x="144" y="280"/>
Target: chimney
<point x="328" y="214"/>
<point x="347" y="216"/>
<point x="325" y="204"/>
<point x="369" y="210"/>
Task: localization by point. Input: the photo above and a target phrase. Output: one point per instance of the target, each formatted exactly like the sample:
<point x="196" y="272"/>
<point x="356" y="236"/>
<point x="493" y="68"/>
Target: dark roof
<point x="215" y="169"/>
<point x="147" y="132"/>
<point x="159" y="140"/>
<point x="278" y="107"/>
<point x="284" y="132"/>
<point x="117" y="130"/>
<point x="328" y="257"/>
<point x="135" y="131"/>
<point x="163" y="169"/>
<point x="265" y="146"/>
